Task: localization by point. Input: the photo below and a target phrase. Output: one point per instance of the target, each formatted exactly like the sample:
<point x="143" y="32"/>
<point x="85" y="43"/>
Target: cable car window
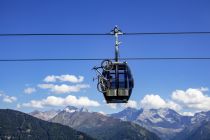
<point x="121" y="71"/>
<point x="122" y="81"/>
<point x="112" y="76"/>
<point x="121" y="77"/>
<point x="112" y="80"/>
<point x="112" y="71"/>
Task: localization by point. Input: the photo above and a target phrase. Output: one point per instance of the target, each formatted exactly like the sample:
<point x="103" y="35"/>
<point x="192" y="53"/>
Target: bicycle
<point x="103" y="82"/>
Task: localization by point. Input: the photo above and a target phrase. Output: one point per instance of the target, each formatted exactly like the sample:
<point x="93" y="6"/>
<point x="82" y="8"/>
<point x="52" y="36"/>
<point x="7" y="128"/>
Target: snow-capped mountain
<point x="47" y="115"/>
<point x="101" y="126"/>
<point x="83" y="109"/>
<point x="199" y="131"/>
<point x="44" y="115"/>
<point x="164" y="122"/>
<point x="166" y="118"/>
<point x="70" y="109"/>
<point x="161" y="117"/>
<point x="128" y="114"/>
<point x="200" y="117"/>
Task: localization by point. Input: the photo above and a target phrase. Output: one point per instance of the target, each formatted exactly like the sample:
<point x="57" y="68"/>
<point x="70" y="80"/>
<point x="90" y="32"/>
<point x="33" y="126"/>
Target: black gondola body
<point x="119" y="83"/>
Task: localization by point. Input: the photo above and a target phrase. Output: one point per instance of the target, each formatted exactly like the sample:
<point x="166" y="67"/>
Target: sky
<point x="181" y="85"/>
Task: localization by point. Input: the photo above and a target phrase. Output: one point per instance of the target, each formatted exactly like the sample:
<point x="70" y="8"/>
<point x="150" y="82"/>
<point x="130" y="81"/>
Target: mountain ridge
<point x="103" y="127"/>
<point x="17" y="125"/>
<point x="166" y="123"/>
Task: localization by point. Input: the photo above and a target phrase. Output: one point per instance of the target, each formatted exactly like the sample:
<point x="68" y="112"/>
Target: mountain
<point x="44" y="115"/>
<point x="18" y="125"/>
<point x="47" y="115"/>
<point x="100" y="126"/>
<point x="196" y="132"/>
<point x="128" y="114"/>
<point x="200" y="117"/>
<point x="166" y="123"/>
<point x="199" y="128"/>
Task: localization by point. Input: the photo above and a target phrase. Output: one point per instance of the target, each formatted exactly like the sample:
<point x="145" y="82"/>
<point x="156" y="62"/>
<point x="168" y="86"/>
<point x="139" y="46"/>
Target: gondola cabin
<point x="119" y="83"/>
<point x="115" y="80"/>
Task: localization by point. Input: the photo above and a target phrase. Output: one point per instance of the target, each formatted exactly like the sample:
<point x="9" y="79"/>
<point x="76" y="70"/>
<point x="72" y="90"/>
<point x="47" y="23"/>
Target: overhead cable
<point x="103" y="34"/>
<point x="97" y="59"/>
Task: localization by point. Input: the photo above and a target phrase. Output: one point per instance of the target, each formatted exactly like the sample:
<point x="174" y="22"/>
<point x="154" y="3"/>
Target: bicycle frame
<point x="101" y="80"/>
<point x="99" y="74"/>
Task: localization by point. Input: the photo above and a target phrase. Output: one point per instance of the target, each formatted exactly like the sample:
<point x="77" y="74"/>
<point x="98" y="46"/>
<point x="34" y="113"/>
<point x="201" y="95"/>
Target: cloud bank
<point x="29" y="90"/>
<point x="8" y="99"/>
<point x="59" y="101"/>
<point x="131" y="104"/>
<point x="53" y="83"/>
<point x="64" y="78"/>
<point x="155" y="101"/>
<point x="193" y="99"/>
<point x="64" y="88"/>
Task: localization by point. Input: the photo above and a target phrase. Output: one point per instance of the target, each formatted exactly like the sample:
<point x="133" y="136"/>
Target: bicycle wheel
<point x="101" y="87"/>
<point x="106" y="65"/>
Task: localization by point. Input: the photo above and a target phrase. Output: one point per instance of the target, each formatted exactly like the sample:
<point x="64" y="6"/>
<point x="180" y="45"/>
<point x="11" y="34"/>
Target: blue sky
<point x="153" y="79"/>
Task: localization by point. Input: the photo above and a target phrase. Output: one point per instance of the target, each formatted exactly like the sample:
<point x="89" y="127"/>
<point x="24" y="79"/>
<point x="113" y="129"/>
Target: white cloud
<point x="131" y="103"/>
<point x="59" y="101"/>
<point x="59" y="89"/>
<point x="64" y="78"/>
<point x="152" y="101"/>
<point x="46" y="86"/>
<point x="29" y="90"/>
<point x="50" y="78"/>
<point x="185" y="102"/>
<point x="192" y="98"/>
<point x="112" y="105"/>
<point x="156" y="102"/>
<point x="187" y="113"/>
<point x="173" y="105"/>
<point x="204" y="89"/>
<point x="9" y="99"/>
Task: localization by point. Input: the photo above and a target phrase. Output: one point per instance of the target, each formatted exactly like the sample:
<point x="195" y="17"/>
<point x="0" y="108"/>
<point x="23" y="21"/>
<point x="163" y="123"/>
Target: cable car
<point x="115" y="81"/>
<point x="120" y="83"/>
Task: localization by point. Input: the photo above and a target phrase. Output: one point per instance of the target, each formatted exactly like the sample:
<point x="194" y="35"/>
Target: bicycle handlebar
<point x="95" y="68"/>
